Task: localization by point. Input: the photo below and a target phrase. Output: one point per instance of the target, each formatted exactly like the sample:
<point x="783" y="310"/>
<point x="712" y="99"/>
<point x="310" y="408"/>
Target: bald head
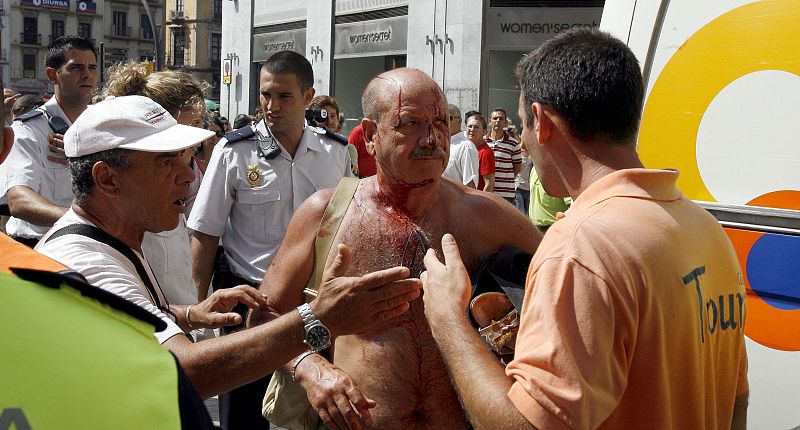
<point x="384" y="91"/>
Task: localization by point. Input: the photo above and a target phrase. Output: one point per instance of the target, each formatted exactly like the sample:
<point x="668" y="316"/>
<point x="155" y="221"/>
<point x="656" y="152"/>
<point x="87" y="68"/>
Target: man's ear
<point x="106" y="179"/>
<point x="370" y="127"/>
<point x="542" y="122"/>
<point x="309" y="94"/>
<point x="52" y="75"/>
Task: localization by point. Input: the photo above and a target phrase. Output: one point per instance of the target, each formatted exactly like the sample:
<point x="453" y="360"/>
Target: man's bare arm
<point x="517" y="168"/>
<point x="480" y="381"/>
<point x="488" y="183"/>
<point x="204" y="249"/>
<point x="292" y="266"/>
<point x="346" y="305"/>
<point x="518" y="229"/>
<point x="330" y="391"/>
<point x="28" y="205"/>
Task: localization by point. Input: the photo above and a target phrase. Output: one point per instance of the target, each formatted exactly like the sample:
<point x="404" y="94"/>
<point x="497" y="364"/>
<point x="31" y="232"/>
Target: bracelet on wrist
<point x="188" y="317"/>
<point x="297" y="362"/>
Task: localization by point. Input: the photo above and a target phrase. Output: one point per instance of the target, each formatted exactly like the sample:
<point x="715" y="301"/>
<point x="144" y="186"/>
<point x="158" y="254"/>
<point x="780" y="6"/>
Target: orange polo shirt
<point x="633" y="314"/>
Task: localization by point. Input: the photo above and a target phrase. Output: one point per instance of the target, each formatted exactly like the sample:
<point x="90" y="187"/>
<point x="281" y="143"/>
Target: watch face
<point x="318" y="337"/>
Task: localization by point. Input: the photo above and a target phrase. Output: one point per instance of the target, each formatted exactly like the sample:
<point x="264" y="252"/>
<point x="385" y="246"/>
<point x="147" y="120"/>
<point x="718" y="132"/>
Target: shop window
<point x="217" y="6"/>
<point x="29" y="66"/>
<point x="57" y="28"/>
<point x="85" y="30"/>
<point x="216" y="47"/>
<point x="30" y="28"/>
<point x="503" y="86"/>
<point x="178" y="46"/>
<point x="144" y="24"/>
<point x="120" y="26"/>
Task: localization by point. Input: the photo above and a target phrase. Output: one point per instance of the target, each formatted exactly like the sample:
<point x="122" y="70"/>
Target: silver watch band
<point x="307" y="314"/>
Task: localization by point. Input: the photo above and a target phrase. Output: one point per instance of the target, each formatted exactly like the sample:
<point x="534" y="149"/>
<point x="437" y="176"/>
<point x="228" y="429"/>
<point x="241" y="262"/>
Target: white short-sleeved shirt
<point x="248" y="200"/>
<point x="463" y="164"/>
<point x="27" y="165"/>
<point x="105" y="267"/>
<point x="170" y="258"/>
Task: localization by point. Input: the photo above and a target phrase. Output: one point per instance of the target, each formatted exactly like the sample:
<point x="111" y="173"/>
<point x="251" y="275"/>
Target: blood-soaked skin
<point x="401" y="367"/>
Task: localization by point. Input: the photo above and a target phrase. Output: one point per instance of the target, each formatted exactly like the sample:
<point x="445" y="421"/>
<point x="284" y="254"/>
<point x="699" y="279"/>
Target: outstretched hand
<point x="447" y="286"/>
<point x="216" y="310"/>
<point x="348" y="305"/>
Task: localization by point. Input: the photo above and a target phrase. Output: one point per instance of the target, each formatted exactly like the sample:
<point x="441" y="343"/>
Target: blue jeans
<point x="522" y="200"/>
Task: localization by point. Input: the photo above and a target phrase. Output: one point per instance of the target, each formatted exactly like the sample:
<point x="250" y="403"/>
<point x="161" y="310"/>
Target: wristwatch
<point x="318" y="337"/>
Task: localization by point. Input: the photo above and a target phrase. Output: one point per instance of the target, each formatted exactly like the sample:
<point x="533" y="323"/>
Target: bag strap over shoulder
<point x="328" y="227"/>
<point x="101" y="236"/>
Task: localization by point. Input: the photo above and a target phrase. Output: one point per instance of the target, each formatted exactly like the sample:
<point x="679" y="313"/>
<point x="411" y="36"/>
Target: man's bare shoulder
<point x="493" y="219"/>
<point x="314" y="206"/>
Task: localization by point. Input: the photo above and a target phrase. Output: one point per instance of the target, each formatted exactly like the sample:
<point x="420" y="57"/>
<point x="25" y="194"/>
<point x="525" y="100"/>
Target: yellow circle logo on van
<point x="757" y="37"/>
<point x="760" y="40"/>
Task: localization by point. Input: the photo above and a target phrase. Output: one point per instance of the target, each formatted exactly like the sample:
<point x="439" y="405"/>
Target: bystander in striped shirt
<point x="506" y="155"/>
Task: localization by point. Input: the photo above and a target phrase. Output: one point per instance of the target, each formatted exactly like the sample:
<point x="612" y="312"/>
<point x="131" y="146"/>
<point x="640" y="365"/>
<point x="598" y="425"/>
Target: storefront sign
<point x="87" y="7"/>
<point x="509" y="28"/>
<point x="47" y="4"/>
<point x="375" y="37"/>
<point x="266" y="44"/>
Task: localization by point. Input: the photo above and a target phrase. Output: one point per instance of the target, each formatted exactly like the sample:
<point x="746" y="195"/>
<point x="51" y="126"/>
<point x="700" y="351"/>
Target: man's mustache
<point x="428" y="152"/>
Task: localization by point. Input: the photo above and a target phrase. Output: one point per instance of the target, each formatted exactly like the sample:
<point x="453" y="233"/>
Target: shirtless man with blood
<point x="395" y="378"/>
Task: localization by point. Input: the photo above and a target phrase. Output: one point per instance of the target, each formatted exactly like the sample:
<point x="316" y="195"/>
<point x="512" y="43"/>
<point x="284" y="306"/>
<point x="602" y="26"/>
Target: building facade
<point x="120" y="30"/>
<point x="470" y="47"/>
<point x="193" y="40"/>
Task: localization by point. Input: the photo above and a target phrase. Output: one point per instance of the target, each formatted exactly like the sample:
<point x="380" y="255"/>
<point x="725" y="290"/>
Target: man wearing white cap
<point x="129" y="162"/>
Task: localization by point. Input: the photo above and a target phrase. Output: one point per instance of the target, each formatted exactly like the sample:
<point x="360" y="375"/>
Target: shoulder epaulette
<point x="240" y="134"/>
<point x="336" y="136"/>
<point x="32" y="114"/>
<point x="78" y="282"/>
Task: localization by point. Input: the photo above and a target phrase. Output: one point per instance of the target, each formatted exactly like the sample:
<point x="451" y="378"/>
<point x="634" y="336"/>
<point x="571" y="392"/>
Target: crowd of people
<point x="346" y="264"/>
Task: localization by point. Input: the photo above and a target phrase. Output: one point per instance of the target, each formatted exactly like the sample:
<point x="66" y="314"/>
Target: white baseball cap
<point x="129" y="122"/>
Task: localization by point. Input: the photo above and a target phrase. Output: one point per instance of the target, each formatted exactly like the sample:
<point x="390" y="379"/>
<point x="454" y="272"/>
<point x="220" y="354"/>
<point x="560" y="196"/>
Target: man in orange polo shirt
<point x="634" y="306"/>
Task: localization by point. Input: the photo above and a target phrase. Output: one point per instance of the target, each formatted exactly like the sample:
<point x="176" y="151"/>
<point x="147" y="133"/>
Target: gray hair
<point x="80" y="169"/>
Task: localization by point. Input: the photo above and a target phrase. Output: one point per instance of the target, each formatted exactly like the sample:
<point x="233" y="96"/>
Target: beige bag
<point x="286" y="402"/>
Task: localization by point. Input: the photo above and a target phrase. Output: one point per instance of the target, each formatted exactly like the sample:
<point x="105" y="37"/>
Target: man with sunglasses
<point x="257" y="177"/>
<point x="38" y="185"/>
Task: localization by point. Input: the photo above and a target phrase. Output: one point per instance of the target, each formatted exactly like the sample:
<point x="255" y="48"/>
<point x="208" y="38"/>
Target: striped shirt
<point x="506" y="155"/>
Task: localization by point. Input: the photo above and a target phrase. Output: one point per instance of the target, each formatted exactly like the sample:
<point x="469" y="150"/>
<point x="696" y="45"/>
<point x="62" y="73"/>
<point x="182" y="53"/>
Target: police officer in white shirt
<point x="257" y="177"/>
<point x="37" y="182"/>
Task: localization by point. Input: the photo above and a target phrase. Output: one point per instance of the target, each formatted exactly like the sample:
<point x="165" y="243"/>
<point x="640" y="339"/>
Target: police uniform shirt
<point x="105" y="267"/>
<point x="27" y="165"/>
<point x="249" y="200"/>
